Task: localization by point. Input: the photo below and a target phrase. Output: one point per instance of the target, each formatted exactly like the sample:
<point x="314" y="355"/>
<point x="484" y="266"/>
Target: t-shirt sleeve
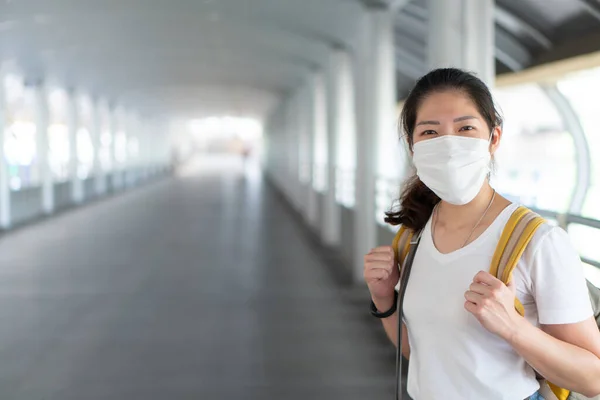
<point x="558" y="281"/>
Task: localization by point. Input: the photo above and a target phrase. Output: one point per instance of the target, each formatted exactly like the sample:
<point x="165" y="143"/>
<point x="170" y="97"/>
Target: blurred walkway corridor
<point x="200" y="287"/>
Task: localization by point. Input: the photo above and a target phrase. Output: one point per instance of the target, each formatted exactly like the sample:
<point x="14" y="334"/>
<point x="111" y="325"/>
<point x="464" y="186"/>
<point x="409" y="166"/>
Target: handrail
<point x="563" y="219"/>
<point x="578" y="219"/>
<point x="568" y="218"/>
<point x="590" y="261"/>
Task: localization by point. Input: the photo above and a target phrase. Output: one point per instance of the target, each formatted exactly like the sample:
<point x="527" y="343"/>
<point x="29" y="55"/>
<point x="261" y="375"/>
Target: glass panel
<point x="20" y="153"/>
<point x="59" y="155"/>
<point x="535" y="163"/>
<point x="120" y="148"/>
<point x="85" y="153"/>
<point x="59" y="151"/>
<point x="105" y="150"/>
<point x="581" y="90"/>
<point x="586" y="240"/>
<point x="20" y="144"/>
<point x="344" y="190"/>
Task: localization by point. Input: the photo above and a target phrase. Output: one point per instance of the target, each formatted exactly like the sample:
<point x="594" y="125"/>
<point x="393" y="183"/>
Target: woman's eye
<point x="428" y="132"/>
<point x="467" y="128"/>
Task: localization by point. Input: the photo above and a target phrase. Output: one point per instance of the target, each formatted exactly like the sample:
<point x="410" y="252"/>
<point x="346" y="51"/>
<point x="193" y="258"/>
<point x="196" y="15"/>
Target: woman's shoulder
<point x="550" y="244"/>
<point x="548" y="239"/>
<point x="546" y="234"/>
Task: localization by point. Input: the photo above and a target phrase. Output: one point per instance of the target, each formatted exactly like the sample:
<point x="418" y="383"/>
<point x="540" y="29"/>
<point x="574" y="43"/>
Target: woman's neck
<point x="458" y="216"/>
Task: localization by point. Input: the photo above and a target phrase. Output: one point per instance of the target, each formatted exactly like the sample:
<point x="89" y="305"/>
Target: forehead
<point x="448" y="104"/>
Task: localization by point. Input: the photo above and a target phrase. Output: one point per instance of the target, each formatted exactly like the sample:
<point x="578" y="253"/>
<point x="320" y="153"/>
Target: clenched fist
<point x="381" y="274"/>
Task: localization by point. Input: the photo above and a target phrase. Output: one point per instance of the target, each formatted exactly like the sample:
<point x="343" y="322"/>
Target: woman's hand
<point x="381" y="274"/>
<point x="493" y="304"/>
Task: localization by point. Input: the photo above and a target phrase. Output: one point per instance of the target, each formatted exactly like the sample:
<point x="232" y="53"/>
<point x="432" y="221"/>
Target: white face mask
<point x="453" y="167"/>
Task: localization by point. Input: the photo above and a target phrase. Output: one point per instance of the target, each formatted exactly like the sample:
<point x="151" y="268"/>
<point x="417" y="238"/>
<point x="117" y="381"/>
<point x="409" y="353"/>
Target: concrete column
<point x="293" y="133"/>
<point x="339" y="113"/>
<point x="135" y="165"/>
<point x="106" y="128"/>
<point x="304" y="148"/>
<point x="115" y="130"/>
<point x="130" y="162"/>
<point x="5" y="221"/>
<point x="96" y="135"/>
<point x="42" y="120"/>
<point x="73" y="125"/>
<point x="376" y="112"/>
<point x="461" y="34"/>
<point x="315" y="126"/>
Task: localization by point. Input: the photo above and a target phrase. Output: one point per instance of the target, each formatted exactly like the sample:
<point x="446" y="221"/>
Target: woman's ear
<point x="495" y="139"/>
<point x="407" y="146"/>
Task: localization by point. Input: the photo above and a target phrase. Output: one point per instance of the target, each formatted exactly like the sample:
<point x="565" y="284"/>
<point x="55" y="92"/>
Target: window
<point x="535" y="163"/>
<point x="59" y="151"/>
<point x="581" y="90"/>
<point x="85" y="154"/>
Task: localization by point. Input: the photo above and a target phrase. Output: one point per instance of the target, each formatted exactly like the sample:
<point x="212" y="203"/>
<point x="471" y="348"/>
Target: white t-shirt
<point x="451" y="355"/>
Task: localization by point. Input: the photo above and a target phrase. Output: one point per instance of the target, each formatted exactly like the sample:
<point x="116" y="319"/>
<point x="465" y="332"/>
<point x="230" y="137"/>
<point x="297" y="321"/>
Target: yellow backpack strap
<point x="517" y="234"/>
<point x="401" y="244"/>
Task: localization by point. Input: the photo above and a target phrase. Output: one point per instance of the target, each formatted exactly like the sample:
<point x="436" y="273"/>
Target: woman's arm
<point x="390" y="324"/>
<point x="567" y="355"/>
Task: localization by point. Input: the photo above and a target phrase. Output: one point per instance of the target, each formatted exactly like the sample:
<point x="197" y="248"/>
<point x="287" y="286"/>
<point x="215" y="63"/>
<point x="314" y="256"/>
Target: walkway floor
<point x="200" y="287"/>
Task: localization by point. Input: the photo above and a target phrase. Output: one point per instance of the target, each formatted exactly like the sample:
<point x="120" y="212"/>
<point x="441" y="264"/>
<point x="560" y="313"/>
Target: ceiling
<point x="201" y="57"/>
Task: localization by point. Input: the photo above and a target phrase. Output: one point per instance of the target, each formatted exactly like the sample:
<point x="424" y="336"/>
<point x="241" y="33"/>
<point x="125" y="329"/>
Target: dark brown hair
<point x="417" y="201"/>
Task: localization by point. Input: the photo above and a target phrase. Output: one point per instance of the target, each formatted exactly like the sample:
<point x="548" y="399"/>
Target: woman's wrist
<point x="384" y="303"/>
<point x="514" y="334"/>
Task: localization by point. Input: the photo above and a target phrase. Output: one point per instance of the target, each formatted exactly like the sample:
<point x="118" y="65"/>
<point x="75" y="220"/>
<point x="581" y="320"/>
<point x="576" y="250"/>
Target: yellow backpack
<point x="517" y="234"/>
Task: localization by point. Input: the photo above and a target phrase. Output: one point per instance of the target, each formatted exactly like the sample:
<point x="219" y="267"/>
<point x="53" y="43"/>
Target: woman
<point x="466" y="340"/>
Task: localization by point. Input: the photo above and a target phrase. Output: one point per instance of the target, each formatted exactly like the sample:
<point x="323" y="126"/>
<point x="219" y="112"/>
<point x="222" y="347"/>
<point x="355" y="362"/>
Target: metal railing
<point x="387" y="191"/>
<point x="564" y="220"/>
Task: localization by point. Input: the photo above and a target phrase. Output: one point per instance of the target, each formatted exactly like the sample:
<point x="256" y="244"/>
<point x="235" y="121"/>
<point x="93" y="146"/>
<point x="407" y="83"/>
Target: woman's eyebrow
<point x="428" y="123"/>
<point x="466" y="117"/>
<point x="459" y="119"/>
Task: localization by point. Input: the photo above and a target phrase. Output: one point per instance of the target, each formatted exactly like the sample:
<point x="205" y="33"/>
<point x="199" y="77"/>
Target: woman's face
<point x="452" y="113"/>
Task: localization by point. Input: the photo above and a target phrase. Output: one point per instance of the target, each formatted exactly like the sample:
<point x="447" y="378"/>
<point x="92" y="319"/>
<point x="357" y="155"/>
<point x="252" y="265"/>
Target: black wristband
<point x="388" y="313"/>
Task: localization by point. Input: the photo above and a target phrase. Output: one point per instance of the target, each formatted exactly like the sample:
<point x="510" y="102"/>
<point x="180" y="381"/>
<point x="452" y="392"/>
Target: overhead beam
<point x="510" y="52"/>
<point x="411" y="24"/>
<point x="416" y="10"/>
<point x="592" y="7"/>
<point x="409" y="64"/>
<point x="510" y="22"/>
<point x="397" y="5"/>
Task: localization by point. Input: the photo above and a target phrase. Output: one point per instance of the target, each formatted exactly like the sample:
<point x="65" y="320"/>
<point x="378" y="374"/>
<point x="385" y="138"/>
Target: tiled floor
<point x="201" y="287"/>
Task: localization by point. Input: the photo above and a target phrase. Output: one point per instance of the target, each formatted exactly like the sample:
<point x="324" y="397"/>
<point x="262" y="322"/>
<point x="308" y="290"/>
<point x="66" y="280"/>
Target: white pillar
<point x="136" y="159"/>
<point x="461" y="34"/>
<point x="304" y="148"/>
<point x="42" y="120"/>
<point x="376" y="112"/>
<point x="292" y="143"/>
<point x="130" y="162"/>
<point x="117" y="172"/>
<point x="143" y="150"/>
<point x="96" y="135"/>
<point x="73" y="125"/>
<point x="315" y="126"/>
<point x="4" y="177"/>
<point x="339" y="113"/>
